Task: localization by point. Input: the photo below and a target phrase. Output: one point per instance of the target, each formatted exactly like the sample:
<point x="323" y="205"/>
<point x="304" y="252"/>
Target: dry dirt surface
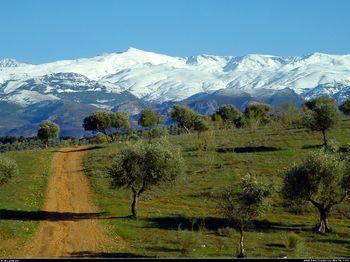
<point x="70" y="223"/>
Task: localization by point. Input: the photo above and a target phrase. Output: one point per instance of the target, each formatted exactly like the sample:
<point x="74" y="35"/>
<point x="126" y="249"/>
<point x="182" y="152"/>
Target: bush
<point x="8" y="169"/>
<point x="294" y="243"/>
<point x="205" y="141"/>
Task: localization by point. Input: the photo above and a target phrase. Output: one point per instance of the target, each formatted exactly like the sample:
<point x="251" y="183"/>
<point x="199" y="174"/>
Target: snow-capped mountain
<point x="159" y="78"/>
<point x="132" y="79"/>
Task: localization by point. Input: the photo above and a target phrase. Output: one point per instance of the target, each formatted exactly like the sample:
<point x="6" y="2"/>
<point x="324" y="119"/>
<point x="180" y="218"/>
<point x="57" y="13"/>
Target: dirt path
<point x="70" y="223"/>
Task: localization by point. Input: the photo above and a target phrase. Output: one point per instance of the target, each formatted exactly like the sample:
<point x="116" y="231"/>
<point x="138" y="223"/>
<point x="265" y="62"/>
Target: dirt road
<point x="70" y="223"/>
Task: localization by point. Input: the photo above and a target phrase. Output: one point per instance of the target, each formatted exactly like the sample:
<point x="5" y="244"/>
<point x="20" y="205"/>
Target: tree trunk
<point x="186" y="129"/>
<point x="241" y="245"/>
<point x="324" y="137"/>
<point x="134" y="205"/>
<point x="323" y="227"/>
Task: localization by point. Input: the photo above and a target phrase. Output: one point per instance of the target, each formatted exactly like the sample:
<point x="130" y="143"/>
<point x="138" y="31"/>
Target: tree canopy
<point x="107" y="122"/>
<point x="243" y="202"/>
<point x="149" y="118"/>
<point x="323" y="180"/>
<point x="48" y="130"/>
<point x="141" y="166"/>
<point x="229" y="114"/>
<point x="188" y="119"/>
<point x="256" y="113"/>
<point x="321" y="114"/>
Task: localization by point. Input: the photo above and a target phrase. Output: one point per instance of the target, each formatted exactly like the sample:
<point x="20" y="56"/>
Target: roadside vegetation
<point x="23" y="177"/>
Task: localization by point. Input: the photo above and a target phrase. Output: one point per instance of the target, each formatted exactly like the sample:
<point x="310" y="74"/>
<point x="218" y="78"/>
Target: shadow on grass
<point x="312" y="147"/>
<point x="90" y="254"/>
<point x="334" y="241"/>
<point x="21" y="215"/>
<point x="79" y="149"/>
<point x="247" y="149"/>
<point x="163" y="249"/>
<point x="214" y="223"/>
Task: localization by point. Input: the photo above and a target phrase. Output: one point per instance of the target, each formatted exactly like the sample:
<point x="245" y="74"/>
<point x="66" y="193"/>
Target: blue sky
<point x="41" y="30"/>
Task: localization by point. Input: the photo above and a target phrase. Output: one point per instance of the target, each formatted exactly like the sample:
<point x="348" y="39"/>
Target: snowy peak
<point x="158" y="78"/>
<point x="9" y="62"/>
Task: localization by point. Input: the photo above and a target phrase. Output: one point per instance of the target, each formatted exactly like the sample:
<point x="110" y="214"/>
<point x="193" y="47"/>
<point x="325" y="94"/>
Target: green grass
<point x="25" y="192"/>
<point x="166" y="214"/>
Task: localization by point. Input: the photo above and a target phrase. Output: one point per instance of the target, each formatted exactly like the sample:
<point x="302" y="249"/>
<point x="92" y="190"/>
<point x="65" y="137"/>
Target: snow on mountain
<point x="159" y="78"/>
<point x="8" y="62"/>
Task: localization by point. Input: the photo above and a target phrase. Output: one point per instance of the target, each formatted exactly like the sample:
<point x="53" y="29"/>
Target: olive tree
<point x="107" y="123"/>
<point x="8" y="169"/>
<point x="323" y="180"/>
<point x="229" y="114"/>
<point x="142" y="166"/>
<point x="242" y="203"/>
<point x="149" y="120"/>
<point x="321" y="114"/>
<point x="289" y="115"/>
<point x="256" y="113"/>
<point x="185" y="117"/>
<point x="48" y="130"/>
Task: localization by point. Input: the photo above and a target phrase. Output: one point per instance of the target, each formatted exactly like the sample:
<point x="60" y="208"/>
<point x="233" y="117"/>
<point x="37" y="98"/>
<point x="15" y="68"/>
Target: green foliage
<point x="201" y="125"/>
<point x="321" y="114"/>
<point x="141" y="166"/>
<point x="289" y="116"/>
<point x="242" y="203"/>
<point x="109" y="123"/>
<point x="149" y="118"/>
<point x="323" y="179"/>
<point x="294" y="243"/>
<point x="245" y="201"/>
<point x="256" y="113"/>
<point x="155" y="133"/>
<point x="206" y="141"/>
<point x="8" y="169"/>
<point x="23" y="194"/>
<point x="345" y="107"/>
<point x="185" y="117"/>
<point x="229" y="114"/>
<point x="48" y="130"/>
<point x="195" y="192"/>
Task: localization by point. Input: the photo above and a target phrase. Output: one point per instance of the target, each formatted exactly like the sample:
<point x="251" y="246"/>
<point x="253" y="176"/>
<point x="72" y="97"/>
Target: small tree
<point x="48" y="130"/>
<point x="120" y="124"/>
<point x="345" y="107"/>
<point x="323" y="180"/>
<point x="8" y="169"/>
<point x="289" y="115"/>
<point x="184" y="116"/>
<point x="242" y="203"/>
<point x="107" y="123"/>
<point x="149" y="120"/>
<point x="256" y="113"/>
<point x="321" y="114"/>
<point x="229" y="114"/>
<point x="142" y="166"/>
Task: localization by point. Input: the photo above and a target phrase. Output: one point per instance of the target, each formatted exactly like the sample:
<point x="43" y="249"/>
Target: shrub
<point x="8" y="169"/>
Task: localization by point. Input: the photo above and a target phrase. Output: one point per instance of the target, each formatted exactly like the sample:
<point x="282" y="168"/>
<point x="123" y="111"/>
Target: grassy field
<point x="21" y="198"/>
<point x="181" y="220"/>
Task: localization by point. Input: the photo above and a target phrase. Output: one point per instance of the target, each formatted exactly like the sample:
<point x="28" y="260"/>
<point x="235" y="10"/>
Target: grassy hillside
<point x="182" y="220"/>
<point x="21" y="198"/>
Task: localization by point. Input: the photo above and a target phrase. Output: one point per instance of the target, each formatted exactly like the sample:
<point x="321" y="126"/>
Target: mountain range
<point x="66" y="91"/>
